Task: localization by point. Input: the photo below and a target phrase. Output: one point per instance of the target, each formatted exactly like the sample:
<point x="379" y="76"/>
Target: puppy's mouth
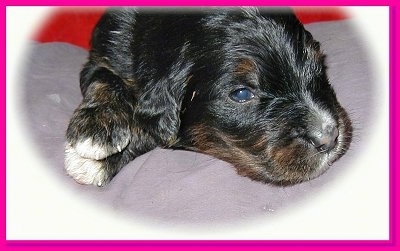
<point x="342" y="142"/>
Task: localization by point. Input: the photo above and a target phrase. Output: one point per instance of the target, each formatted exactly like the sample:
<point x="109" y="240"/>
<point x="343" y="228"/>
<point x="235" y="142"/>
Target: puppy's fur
<point x="247" y="86"/>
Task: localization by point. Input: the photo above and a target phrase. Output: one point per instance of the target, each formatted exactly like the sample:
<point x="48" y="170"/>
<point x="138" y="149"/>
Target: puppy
<point x="248" y="86"/>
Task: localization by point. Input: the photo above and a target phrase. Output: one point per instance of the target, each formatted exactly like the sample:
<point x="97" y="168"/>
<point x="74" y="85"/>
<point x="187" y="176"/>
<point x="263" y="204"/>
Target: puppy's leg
<point x="100" y="126"/>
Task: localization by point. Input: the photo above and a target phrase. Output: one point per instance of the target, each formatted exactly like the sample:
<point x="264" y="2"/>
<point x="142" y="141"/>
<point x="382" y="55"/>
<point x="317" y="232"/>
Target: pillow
<point x="171" y="186"/>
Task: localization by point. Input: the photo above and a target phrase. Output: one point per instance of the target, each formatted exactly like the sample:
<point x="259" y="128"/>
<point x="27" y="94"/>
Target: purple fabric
<point x="168" y="186"/>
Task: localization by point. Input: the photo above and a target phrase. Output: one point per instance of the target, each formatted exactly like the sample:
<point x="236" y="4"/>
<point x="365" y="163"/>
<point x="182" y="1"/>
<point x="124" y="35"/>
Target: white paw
<point x="84" y="170"/>
<point x="88" y="149"/>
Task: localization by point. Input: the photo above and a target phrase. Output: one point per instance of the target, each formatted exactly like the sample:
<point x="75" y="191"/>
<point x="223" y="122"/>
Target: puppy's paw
<point x="89" y="149"/>
<point x="96" y="133"/>
<point x="83" y="170"/>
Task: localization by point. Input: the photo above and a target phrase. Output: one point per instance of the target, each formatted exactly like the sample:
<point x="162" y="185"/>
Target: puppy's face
<point x="260" y="99"/>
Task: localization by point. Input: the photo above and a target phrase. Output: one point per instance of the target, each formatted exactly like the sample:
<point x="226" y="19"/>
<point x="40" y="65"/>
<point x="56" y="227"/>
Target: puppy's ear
<point x="159" y="105"/>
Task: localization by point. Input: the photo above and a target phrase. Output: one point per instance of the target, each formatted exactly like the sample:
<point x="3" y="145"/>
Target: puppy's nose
<point x="324" y="140"/>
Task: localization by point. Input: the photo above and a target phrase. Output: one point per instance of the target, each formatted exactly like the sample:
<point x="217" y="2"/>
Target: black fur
<point x="245" y="85"/>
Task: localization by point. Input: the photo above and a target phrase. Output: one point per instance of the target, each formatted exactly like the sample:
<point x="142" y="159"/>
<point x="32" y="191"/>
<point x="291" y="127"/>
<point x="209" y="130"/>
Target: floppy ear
<point x="159" y="105"/>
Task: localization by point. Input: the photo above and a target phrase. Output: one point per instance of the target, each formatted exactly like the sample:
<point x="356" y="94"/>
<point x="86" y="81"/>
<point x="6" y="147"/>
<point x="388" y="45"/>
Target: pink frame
<point x="220" y="245"/>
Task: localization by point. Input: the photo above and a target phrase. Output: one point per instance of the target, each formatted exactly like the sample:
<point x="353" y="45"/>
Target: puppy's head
<point x="259" y="98"/>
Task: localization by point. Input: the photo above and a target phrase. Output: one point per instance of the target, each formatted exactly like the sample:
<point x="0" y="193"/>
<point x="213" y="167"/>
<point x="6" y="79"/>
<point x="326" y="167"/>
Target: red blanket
<point x="75" y="25"/>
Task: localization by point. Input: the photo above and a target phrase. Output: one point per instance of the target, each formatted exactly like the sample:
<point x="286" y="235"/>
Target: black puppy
<point x="247" y="86"/>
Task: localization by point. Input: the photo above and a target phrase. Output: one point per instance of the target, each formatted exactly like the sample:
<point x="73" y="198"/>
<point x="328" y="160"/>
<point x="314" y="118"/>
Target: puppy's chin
<point x="304" y="164"/>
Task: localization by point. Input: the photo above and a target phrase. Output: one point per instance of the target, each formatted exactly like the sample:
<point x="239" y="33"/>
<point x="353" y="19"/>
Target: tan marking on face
<point x="245" y="67"/>
<point x="214" y="142"/>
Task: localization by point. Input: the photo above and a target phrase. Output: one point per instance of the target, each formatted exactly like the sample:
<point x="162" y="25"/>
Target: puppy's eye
<point x="242" y="95"/>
